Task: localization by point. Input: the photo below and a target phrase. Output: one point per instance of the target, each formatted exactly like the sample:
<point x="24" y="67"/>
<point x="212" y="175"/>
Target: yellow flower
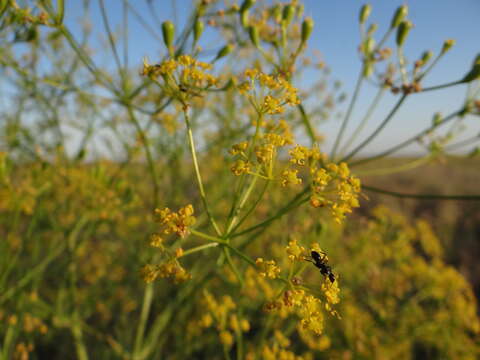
<point x="268" y="268"/>
<point x="295" y="251"/>
<point x="289" y="176"/>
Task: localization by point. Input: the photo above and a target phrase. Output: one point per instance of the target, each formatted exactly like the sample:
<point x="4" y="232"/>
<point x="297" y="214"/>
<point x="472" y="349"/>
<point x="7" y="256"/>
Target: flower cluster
<point x="278" y="350"/>
<point x="265" y="149"/>
<point x="222" y="314"/>
<point x="332" y="184"/>
<point x="170" y="269"/>
<point x="183" y="78"/>
<point x="173" y="222"/>
<point x="296" y="299"/>
<point x="276" y="92"/>
<point x="267" y="268"/>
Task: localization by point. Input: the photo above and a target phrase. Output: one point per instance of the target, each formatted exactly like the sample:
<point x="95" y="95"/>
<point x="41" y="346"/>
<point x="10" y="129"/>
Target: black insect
<point x="320" y="261"/>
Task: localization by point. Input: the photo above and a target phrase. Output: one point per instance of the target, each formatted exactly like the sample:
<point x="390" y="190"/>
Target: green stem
<point x="364" y="121"/>
<point x="347" y="116"/>
<point x="307" y="123"/>
<point x="377" y="130"/>
<point x="234" y="211"/>
<point x="224" y="243"/>
<point x="406" y="142"/>
<point x="295" y="202"/>
<point x="197" y="173"/>
<point x="401" y="64"/>
<point x="151" y="163"/>
<point x="146" y="305"/>
<point x="199" y="248"/>
<point x="252" y="208"/>
<point x="110" y="36"/>
<point x="442" y="86"/>
<point x="395" y="169"/>
<point x="385" y="38"/>
<point x="241" y="204"/>
<point x="422" y="196"/>
<point x="232" y="265"/>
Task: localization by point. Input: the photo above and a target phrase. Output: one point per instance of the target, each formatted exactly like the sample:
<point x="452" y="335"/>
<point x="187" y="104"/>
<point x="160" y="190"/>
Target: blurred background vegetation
<point x="89" y="148"/>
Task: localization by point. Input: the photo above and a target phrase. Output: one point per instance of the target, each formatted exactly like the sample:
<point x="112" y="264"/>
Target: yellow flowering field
<point x="189" y="205"/>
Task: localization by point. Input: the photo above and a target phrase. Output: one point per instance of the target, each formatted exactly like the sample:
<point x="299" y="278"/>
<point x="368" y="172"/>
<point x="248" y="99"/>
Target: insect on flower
<point x="320" y="261"/>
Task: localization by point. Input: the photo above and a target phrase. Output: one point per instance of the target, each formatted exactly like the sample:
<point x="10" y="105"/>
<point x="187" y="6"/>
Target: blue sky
<point x="336" y="35"/>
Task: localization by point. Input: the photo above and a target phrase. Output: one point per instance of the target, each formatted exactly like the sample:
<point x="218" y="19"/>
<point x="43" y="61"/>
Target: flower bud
<point x="277" y="13"/>
<point x="300" y="10"/>
<point x="365" y="13"/>
<point x="474" y="73"/>
<point x="288" y="13"/>
<point x="437" y="119"/>
<point x="447" y="45"/>
<point x="371" y="29"/>
<point x="367" y="69"/>
<point x="307" y="28"/>
<point x="198" y="30"/>
<point x="168" y="31"/>
<point x="402" y="32"/>
<point x="368" y="46"/>
<point x="400" y="14"/>
<point x="244" y="18"/>
<point x="427" y="55"/>
<point x="227" y="49"/>
<point x="247" y="4"/>
<point x="253" y="34"/>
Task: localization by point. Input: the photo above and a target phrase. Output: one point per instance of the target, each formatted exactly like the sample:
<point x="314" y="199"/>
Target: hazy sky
<point x="336" y="35"/>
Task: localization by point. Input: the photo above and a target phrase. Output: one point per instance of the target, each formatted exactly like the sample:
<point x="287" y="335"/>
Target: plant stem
<point x="347" y="116"/>
<point x="396" y="169"/>
<point x="146" y="305"/>
<point x="199" y="248"/>
<point x="422" y="196"/>
<point x="295" y="202"/>
<point x="364" y="121"/>
<point x="377" y="130"/>
<point x="197" y="173"/>
<point x="442" y="86"/>
<point x="151" y="163"/>
<point x="406" y="142"/>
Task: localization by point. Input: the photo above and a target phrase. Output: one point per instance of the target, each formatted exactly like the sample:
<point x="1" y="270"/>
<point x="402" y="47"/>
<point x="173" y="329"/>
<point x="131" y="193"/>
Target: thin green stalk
<point x="442" y="86"/>
<point x="422" y="196"/>
<point x="151" y="163"/>
<point x="232" y="265"/>
<point x="295" y="202"/>
<point x="199" y="248"/>
<point x="197" y="173"/>
<point x="307" y="123"/>
<point x="385" y="38"/>
<point x="364" y="121"/>
<point x="251" y="209"/>
<point x="86" y="60"/>
<point x="395" y="169"/>
<point x="59" y="248"/>
<point x="463" y="143"/>
<point x="401" y="64"/>
<point x="377" y="130"/>
<point x="432" y="65"/>
<point x="241" y="204"/>
<point x="146" y="305"/>
<point x="338" y="139"/>
<point x="406" y="142"/>
<point x="106" y="25"/>
<point x="80" y="347"/>
<point x="234" y="209"/>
